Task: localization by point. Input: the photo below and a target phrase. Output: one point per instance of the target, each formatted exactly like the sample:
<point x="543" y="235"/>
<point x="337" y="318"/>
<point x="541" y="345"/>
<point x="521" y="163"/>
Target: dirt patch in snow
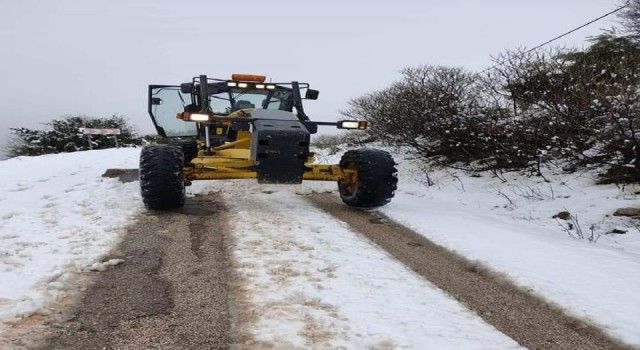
<point x="123" y="175"/>
<point x="171" y="291"/>
<point x="526" y="318"/>
<point x="30" y="331"/>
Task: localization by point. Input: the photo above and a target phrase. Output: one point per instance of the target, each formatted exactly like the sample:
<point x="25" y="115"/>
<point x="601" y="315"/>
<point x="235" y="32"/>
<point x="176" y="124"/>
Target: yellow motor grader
<point x="247" y="128"/>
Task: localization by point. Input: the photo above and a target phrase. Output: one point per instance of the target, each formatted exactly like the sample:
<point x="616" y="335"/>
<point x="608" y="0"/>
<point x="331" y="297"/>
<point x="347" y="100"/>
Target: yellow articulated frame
<point x="243" y="143"/>
<point x="325" y="172"/>
<point x="233" y="164"/>
<point x="232" y="160"/>
<point x="234" y="170"/>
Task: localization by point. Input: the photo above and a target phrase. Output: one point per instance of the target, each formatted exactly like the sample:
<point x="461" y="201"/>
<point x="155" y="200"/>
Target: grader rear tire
<point x="161" y="182"/>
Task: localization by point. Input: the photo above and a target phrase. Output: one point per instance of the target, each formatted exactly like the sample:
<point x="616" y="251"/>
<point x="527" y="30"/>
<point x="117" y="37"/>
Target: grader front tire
<point x="161" y="182"/>
<point x="376" y="178"/>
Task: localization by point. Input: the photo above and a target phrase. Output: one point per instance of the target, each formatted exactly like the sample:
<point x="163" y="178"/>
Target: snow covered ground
<point x="57" y="215"/>
<point x="508" y="226"/>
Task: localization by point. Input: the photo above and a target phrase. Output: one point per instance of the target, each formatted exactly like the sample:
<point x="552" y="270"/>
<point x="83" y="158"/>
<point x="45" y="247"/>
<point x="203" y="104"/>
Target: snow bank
<point x="58" y="215"/>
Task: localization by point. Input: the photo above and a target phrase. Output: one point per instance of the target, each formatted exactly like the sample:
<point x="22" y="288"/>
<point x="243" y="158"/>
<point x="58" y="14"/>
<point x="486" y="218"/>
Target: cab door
<point x="165" y="101"/>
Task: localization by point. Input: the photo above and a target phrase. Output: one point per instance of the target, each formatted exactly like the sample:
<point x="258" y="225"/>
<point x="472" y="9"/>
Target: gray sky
<point x="97" y="57"/>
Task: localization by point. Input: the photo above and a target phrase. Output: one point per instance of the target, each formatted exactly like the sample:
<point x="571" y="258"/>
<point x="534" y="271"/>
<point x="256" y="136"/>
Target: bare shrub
<point x="581" y="107"/>
<point x="574" y="229"/>
<point x="349" y="138"/>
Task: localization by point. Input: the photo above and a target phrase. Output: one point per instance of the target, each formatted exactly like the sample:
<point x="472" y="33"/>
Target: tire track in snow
<point x="171" y="292"/>
<point x="527" y="318"/>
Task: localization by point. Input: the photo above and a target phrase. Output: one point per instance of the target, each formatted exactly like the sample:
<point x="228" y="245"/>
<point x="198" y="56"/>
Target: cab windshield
<point x="235" y="99"/>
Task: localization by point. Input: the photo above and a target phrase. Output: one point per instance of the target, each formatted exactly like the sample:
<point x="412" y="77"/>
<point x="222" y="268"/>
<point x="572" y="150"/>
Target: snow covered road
<point x="298" y="279"/>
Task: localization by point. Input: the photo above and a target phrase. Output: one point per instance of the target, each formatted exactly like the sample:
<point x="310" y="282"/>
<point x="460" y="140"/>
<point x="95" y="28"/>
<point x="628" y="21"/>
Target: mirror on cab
<point x="311" y="94"/>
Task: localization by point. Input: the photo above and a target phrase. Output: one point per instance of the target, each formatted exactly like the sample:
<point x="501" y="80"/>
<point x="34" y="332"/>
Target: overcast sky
<point x="97" y="57"/>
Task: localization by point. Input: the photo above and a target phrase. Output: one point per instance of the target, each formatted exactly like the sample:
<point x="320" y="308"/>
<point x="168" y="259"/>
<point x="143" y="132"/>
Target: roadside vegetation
<point x="560" y="107"/>
<point x="65" y="135"/>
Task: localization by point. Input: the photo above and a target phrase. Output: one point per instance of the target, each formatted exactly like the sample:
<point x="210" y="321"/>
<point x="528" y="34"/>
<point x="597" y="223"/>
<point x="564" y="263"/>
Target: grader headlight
<point x="199" y="117"/>
<point x="352" y="124"/>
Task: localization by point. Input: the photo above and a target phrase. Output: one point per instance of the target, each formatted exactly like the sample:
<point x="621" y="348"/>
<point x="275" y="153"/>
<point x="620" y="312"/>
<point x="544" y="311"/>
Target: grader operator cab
<point x="246" y="128"/>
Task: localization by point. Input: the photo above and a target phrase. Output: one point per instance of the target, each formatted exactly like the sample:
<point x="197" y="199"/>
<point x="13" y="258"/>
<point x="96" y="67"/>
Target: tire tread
<point x="377" y="178"/>
<point x="161" y="183"/>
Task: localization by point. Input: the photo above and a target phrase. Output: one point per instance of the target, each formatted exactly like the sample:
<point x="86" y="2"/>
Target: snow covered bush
<point x="448" y="115"/>
<point x="349" y="138"/>
<point x="65" y="135"/>
<point x="581" y="108"/>
<point x="435" y="110"/>
<point x="583" y="105"/>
